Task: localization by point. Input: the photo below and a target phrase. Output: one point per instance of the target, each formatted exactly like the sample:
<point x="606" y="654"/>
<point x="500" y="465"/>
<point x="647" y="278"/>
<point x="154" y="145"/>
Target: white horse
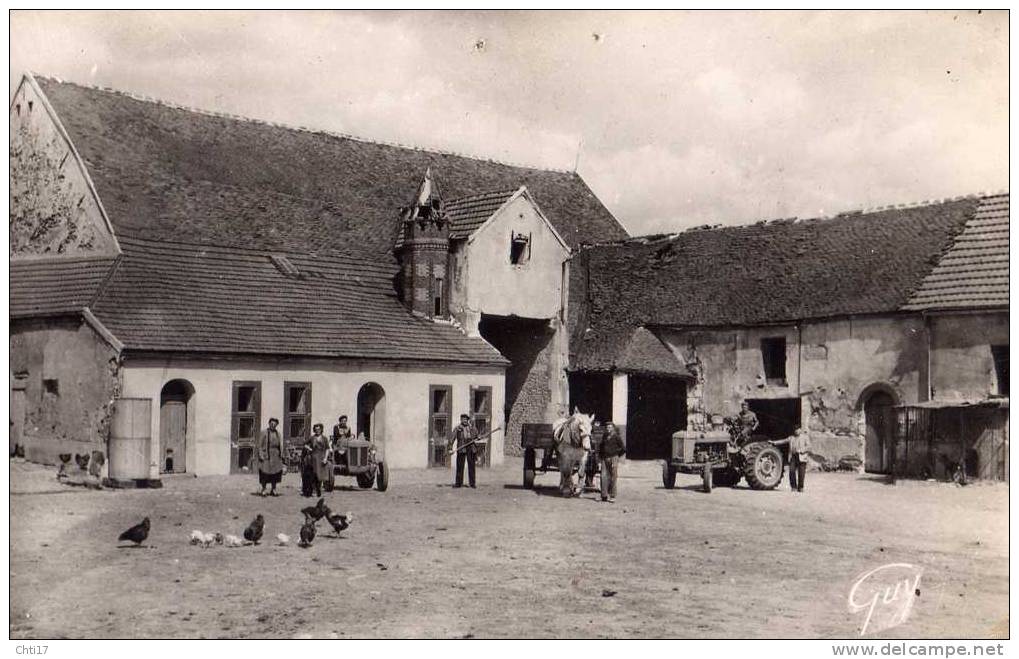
<point x="572" y="437"/>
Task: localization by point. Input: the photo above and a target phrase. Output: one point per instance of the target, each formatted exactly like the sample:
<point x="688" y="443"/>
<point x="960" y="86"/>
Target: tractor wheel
<point x="528" y="468"/>
<point x="382" y="477"/>
<point x="763" y="468"/>
<point x="668" y="476"/>
<point x="727" y="477"/>
<point x="707" y="478"/>
<point x="365" y="480"/>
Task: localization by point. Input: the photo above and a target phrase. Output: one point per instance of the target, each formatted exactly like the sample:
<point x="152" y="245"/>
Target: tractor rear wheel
<point x="528" y="468"/>
<point x="668" y="476"/>
<point x="763" y="468"/>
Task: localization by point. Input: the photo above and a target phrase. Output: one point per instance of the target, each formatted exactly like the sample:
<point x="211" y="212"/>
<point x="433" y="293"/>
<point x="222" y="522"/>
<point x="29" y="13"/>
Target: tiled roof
<point x="468" y="213"/>
<point x="193" y="298"/>
<point x="973" y="272"/>
<point x="782" y="271"/>
<point x="169" y="173"/>
<point x="645" y="353"/>
<point x="51" y="286"/>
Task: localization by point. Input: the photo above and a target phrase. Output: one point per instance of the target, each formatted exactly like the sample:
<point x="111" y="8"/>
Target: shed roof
<point x="646" y="353"/>
<point x="200" y="299"/>
<point x="55" y="285"/>
<point x="165" y="173"/>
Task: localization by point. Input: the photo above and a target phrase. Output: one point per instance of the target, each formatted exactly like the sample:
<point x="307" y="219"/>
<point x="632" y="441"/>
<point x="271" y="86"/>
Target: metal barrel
<point x="130" y="438"/>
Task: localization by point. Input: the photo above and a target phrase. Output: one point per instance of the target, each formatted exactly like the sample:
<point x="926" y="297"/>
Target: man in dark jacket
<point x="609" y="453"/>
<point x="466" y="451"/>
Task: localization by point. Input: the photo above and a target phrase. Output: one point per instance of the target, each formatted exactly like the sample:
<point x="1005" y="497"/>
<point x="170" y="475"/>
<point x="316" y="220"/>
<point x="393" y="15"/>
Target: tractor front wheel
<point x="707" y="478"/>
<point x="365" y="480"/>
<point x="668" y="476"/>
<point x="763" y="468"/>
<point x="382" y="477"/>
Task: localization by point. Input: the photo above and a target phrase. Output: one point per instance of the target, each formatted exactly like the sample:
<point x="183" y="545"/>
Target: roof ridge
<point x="259" y="252"/>
<point x="472" y="197"/>
<point x="301" y="129"/>
<point x="668" y="236"/>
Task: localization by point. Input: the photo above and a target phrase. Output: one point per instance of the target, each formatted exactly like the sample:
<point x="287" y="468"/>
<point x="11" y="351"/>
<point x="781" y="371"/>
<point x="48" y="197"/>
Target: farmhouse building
<point x="229" y="270"/>
<point x="835" y="324"/>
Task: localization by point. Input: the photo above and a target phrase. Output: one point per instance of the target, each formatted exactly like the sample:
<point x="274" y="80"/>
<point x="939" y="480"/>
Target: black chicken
<point x="307" y="533"/>
<point x="136" y="533"/>
<point x="316" y="512"/>
<point x="340" y="522"/>
<point x="254" y="531"/>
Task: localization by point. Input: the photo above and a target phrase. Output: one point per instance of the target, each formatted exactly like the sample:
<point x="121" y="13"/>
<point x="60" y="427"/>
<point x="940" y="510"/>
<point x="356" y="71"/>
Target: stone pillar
<point x="620" y="397"/>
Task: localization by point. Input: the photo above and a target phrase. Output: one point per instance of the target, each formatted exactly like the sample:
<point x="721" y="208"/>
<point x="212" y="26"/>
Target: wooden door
<point x="656" y="408"/>
<point x="173" y="423"/>
<point x="17" y="418"/>
<point x="879" y="415"/>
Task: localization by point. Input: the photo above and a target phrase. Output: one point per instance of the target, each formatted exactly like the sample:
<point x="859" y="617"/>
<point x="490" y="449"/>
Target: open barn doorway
<point x="778" y="417"/>
<point x="526" y="343"/>
<point x="656" y="408"/>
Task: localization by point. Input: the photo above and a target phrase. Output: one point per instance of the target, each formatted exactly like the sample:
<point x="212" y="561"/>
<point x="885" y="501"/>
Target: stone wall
<point x="52" y="206"/>
<point x="71" y="377"/>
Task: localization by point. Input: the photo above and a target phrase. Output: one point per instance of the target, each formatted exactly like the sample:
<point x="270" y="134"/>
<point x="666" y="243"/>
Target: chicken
<point x="307" y="533"/>
<point x="254" y="531"/>
<point x="283" y="539"/>
<point x="340" y="522"/>
<point x="218" y="538"/>
<point x="208" y="539"/>
<point x="232" y="541"/>
<point x="316" y="512"/>
<point x="136" y="533"/>
<point x="65" y="459"/>
<point x="196" y="537"/>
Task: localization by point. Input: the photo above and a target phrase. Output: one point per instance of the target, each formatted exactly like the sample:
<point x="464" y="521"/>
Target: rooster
<point x="340" y="522"/>
<point x="307" y="533"/>
<point x="136" y="533"/>
<point x="316" y="512"/>
<point x="254" y="531"/>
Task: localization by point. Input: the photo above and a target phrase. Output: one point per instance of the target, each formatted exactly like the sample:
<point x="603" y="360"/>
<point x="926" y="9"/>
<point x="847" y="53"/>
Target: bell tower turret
<point x="424" y="252"/>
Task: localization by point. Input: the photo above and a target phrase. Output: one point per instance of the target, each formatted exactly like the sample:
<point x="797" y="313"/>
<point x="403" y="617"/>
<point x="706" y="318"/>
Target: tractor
<point x="363" y="462"/>
<point x="725" y="457"/>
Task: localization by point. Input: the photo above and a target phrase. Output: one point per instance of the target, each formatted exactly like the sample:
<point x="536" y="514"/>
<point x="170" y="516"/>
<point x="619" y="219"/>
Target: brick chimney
<point x="424" y="253"/>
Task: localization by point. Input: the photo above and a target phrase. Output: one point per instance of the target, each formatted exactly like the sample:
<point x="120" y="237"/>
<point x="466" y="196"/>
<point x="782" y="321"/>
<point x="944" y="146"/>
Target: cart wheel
<point x="707" y="478"/>
<point x="528" y="468"/>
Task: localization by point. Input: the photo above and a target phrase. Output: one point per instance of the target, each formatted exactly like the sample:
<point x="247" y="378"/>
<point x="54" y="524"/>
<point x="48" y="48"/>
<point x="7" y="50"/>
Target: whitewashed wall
<point x="334" y="392"/>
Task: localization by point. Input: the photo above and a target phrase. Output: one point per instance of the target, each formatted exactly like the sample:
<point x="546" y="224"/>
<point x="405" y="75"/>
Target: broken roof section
<point x="165" y="172"/>
<point x="766" y="273"/>
<point x="646" y="353"/>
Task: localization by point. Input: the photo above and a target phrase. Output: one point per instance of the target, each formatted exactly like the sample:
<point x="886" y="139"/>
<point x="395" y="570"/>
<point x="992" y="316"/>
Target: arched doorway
<point x="879" y="416"/>
<point x="176" y="425"/>
<point x="371" y="412"/>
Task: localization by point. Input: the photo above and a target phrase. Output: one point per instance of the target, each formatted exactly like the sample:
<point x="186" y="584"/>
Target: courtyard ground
<point x="426" y="560"/>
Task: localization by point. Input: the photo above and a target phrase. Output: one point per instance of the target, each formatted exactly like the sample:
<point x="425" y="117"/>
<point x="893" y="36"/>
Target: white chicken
<point x="283" y="539"/>
<point x="208" y="539"/>
<point x="233" y="541"/>
<point x="197" y="537"/>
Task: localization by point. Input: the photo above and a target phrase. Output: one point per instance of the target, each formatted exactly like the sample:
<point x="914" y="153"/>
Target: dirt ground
<point x="426" y="560"/>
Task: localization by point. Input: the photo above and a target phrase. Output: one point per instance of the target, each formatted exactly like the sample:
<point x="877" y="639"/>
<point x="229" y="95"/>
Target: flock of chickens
<point x="253" y="534"/>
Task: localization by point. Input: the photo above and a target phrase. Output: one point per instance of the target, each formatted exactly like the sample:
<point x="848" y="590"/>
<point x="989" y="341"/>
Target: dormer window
<point x="520" y="248"/>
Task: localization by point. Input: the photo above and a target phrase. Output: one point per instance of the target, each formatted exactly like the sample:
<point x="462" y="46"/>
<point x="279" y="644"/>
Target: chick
<point x="196" y="537"/>
<point x="232" y="541"/>
<point x="283" y="539"/>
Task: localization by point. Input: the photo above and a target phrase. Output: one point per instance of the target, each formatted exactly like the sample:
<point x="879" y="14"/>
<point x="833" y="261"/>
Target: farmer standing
<point x="799" y="446"/>
<point x="466" y="451"/>
<point x="611" y="449"/>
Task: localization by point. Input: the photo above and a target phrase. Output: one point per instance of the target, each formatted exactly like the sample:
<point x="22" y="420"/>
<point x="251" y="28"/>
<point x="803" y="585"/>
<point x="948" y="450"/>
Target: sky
<point x="673" y="118"/>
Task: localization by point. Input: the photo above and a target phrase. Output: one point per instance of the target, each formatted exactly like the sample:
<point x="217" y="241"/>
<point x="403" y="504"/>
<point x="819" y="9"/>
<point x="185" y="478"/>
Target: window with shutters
<point x="246" y="423"/>
<point x="296" y="413"/>
<point x="440" y="401"/>
<point x="481" y="417"/>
